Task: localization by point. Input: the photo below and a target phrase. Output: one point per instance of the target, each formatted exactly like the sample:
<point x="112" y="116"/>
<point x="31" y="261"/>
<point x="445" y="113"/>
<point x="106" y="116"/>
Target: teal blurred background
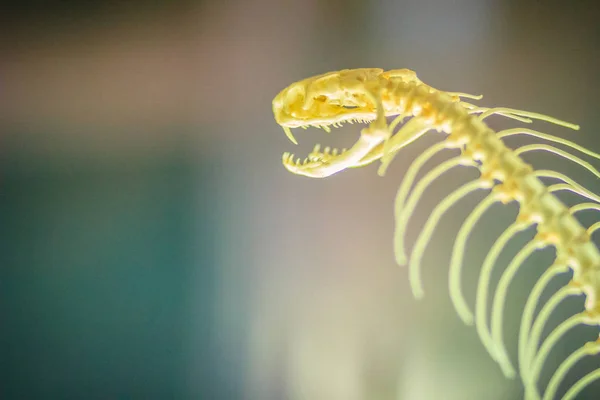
<point x="153" y="247"/>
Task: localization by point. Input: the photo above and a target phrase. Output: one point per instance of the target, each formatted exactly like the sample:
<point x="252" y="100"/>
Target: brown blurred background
<point x="153" y="247"/>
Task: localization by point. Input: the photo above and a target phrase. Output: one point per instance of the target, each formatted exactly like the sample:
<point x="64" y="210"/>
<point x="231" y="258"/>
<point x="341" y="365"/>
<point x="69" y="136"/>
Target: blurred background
<point x="153" y="246"/>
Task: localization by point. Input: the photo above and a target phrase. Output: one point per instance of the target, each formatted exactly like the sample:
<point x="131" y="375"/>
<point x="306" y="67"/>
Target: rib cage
<point x="511" y="179"/>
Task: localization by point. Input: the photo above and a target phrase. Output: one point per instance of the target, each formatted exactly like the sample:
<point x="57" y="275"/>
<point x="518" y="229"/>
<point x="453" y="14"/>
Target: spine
<point x="555" y="224"/>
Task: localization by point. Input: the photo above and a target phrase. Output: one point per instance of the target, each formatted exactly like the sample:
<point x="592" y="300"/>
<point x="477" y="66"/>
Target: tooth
<point x="298" y="161"/>
<point x="327" y="150"/>
<point x="344" y="150"/>
<point x="304" y="127"/>
<point x="288" y="133"/>
<point x="326" y="128"/>
<point x="317" y="148"/>
<point x="305" y="160"/>
<point x="284" y="157"/>
<point x="334" y="152"/>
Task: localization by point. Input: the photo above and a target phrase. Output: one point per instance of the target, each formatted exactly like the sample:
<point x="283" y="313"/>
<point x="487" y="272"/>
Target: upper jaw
<point x="345" y="116"/>
<point x="325" y="123"/>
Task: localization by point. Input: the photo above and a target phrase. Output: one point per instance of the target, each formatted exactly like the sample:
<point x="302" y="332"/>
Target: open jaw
<point x="326" y="161"/>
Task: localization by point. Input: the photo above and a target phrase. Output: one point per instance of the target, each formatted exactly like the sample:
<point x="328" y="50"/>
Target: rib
<point x="427" y="232"/>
